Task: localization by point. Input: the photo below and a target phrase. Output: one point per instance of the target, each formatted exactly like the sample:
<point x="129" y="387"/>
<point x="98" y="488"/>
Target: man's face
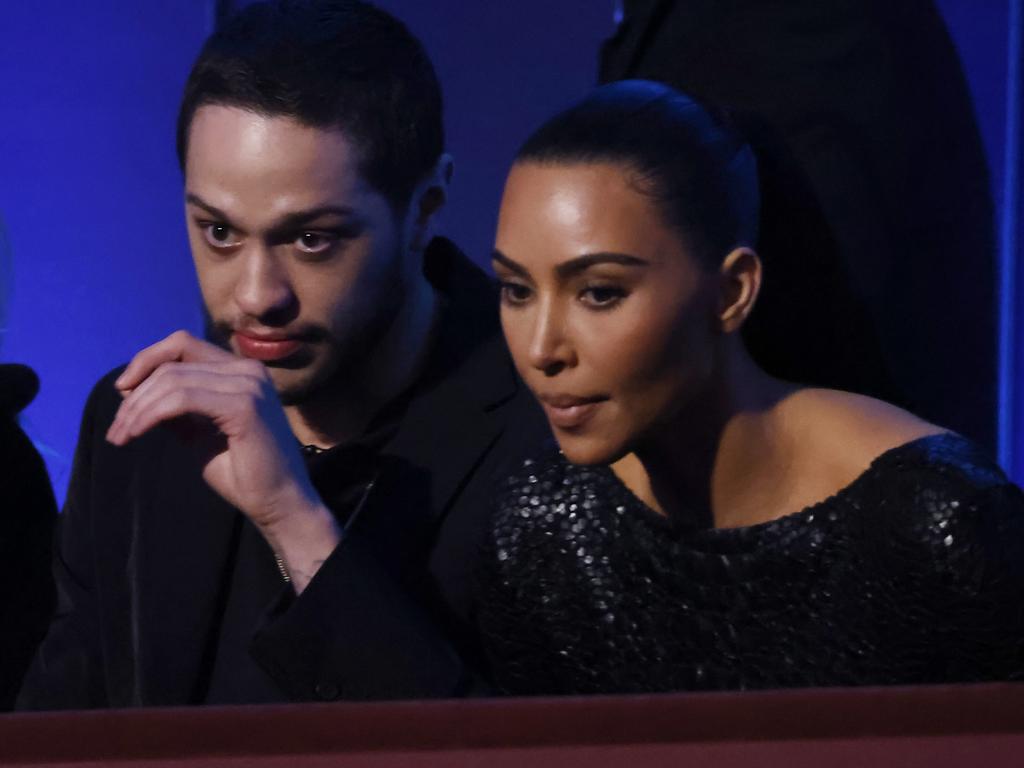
<point x="302" y="264"/>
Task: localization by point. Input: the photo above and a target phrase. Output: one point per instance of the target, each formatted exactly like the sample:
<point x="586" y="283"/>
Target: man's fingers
<point x="209" y="374"/>
<point x="180" y="346"/>
<point x="233" y="375"/>
<point x="166" y="384"/>
<point x="160" y="406"/>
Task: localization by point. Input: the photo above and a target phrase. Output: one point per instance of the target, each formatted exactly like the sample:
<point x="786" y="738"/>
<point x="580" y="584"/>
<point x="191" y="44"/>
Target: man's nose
<point x="263" y="289"/>
<point x="551" y="348"/>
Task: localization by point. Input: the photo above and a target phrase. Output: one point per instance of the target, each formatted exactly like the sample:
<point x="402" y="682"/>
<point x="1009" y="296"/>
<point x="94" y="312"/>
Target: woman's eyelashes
<point x="602" y="295"/>
<point x="513" y="293"/>
<point x="595" y="296"/>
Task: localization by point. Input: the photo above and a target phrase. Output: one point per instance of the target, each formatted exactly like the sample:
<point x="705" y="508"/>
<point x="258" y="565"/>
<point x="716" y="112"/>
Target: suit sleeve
<point x="67" y="671"/>
<point x="356" y="633"/>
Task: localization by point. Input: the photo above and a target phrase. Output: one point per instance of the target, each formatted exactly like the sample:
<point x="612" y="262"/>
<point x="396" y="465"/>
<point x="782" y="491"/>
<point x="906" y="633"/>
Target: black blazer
<point x="880" y="273"/>
<point x="144" y="546"/>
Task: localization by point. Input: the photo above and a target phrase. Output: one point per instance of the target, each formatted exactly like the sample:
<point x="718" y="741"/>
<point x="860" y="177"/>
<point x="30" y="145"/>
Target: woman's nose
<point x="550" y="349"/>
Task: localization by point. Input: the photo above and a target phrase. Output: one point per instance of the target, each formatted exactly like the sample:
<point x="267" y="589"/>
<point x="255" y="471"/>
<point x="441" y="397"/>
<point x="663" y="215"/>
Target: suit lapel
<point x="447" y="430"/>
<point x="449" y="423"/>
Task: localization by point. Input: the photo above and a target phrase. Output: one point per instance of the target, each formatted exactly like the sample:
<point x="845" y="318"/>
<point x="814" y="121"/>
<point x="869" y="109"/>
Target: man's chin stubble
<point x="300" y="387"/>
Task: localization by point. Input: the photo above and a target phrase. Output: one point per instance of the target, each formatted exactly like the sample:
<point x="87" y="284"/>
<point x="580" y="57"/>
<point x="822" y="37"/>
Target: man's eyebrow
<point x="297" y="219"/>
<point x="198" y="202"/>
<point x="288" y="221"/>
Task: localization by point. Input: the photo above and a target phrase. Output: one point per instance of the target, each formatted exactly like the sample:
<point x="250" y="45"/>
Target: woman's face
<point x="609" y="317"/>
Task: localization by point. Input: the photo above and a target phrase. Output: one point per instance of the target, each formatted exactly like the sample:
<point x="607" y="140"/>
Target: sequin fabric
<point x="911" y="574"/>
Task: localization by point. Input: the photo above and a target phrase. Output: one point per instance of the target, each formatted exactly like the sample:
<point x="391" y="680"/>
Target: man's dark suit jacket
<point x="880" y="260"/>
<point x="144" y="544"/>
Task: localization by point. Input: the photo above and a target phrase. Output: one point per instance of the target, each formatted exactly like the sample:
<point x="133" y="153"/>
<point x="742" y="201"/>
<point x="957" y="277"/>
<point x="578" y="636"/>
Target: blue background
<point x="97" y="263"/>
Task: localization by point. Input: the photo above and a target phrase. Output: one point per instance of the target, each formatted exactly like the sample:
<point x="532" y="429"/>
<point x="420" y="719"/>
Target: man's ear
<point x="739" y="286"/>
<point x="427" y="200"/>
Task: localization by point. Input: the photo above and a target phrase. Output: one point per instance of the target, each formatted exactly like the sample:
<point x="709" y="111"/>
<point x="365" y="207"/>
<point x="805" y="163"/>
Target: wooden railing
<point x="936" y="727"/>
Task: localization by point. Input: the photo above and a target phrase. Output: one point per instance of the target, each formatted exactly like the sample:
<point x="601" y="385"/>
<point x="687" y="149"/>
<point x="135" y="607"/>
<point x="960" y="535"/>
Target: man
<point x="292" y="512"/>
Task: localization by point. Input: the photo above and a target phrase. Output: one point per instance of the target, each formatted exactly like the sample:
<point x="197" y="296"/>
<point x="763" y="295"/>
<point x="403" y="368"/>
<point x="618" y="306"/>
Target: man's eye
<point x="220" y="235"/>
<point x="314" y="242"/>
<point x="514" y="293"/>
<point x="602" y="296"/>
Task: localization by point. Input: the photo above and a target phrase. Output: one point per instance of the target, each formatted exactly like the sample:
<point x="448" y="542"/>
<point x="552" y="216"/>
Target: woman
<point x="706" y="525"/>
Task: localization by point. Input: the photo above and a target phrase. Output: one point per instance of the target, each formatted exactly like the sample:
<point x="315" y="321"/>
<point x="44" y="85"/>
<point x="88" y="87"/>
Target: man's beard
<point x="351" y="353"/>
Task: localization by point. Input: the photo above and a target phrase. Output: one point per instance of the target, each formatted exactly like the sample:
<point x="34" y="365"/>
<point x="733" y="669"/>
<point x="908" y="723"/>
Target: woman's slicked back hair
<point x="691" y="161"/>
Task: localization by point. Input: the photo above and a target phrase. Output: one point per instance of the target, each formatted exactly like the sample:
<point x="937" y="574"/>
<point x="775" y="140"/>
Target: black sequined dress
<point x="913" y="573"/>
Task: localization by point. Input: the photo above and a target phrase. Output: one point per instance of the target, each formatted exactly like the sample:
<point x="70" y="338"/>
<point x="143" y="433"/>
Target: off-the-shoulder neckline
<point x="919" y="446"/>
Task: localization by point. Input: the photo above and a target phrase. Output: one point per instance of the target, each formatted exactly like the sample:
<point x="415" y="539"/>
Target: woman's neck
<point x="725" y="444"/>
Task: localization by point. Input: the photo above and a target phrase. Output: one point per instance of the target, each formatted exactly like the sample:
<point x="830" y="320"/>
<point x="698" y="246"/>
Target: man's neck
<point x="342" y="413"/>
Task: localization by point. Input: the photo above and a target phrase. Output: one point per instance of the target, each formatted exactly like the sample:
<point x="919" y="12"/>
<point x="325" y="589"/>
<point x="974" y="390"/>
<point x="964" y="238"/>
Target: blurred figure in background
<point x="27" y="514"/>
<point x="878" y="216"/>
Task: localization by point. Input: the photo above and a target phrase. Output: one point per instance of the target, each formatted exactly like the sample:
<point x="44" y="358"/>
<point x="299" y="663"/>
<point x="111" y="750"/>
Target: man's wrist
<point x="303" y="539"/>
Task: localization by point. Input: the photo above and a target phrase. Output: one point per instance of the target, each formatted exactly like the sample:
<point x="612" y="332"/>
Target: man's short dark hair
<point x="341" y="64"/>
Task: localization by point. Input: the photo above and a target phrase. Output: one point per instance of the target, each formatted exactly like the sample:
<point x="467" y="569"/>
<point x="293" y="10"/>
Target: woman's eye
<point x="220" y="235"/>
<point x="602" y="296"/>
<point x="314" y="242"/>
<point x="514" y="293"/>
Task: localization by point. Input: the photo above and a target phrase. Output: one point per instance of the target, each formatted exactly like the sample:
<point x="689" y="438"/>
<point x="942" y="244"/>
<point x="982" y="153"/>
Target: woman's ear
<point x="739" y="286"/>
<point x="427" y="200"/>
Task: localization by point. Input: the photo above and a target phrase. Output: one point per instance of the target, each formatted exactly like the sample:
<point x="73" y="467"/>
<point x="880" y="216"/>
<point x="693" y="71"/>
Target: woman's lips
<point x="265" y="349"/>
<point x="567" y="412"/>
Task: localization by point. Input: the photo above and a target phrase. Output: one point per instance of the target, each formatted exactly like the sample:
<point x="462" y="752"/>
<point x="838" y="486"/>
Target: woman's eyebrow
<point x="582" y="263"/>
<point x="509" y="264"/>
<point x="573" y="266"/>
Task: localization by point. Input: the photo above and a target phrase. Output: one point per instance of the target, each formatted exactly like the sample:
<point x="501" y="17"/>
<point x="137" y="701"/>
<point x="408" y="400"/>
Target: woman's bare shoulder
<point x="852" y="430"/>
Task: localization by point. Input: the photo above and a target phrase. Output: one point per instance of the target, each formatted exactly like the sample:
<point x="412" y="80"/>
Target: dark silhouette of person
<point x="880" y="226"/>
<point x="27" y="515"/>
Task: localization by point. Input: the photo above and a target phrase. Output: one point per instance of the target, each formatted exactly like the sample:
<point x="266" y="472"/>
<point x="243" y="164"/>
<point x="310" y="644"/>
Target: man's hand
<point x="248" y="452"/>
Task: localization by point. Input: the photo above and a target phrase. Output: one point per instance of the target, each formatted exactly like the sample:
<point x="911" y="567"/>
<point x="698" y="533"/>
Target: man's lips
<point x="266" y="348"/>
<point x="570" y="411"/>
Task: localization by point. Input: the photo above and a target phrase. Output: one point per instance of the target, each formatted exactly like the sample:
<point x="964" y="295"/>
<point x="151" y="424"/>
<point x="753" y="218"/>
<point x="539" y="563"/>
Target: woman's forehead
<point x="566" y="210"/>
